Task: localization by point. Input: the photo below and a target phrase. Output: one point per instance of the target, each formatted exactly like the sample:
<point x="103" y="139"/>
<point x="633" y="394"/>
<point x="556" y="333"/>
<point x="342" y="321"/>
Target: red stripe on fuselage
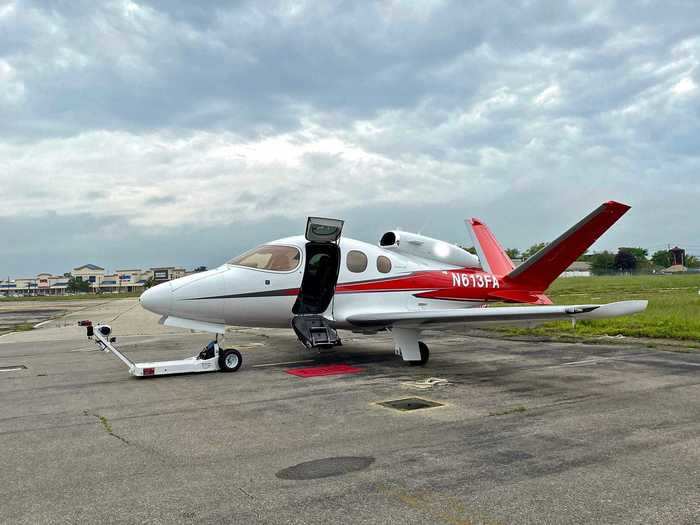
<point x="458" y="285"/>
<point x="448" y="285"/>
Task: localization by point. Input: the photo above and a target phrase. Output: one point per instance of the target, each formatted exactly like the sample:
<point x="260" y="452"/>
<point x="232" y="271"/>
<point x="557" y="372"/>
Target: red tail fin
<point x="538" y="272"/>
<point x="491" y="254"/>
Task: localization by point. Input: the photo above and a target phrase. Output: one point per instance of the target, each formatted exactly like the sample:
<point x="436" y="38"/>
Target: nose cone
<point x="158" y="299"/>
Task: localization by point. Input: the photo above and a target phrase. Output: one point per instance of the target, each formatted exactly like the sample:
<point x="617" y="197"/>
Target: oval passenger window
<point x="383" y="264"/>
<point x="356" y="261"/>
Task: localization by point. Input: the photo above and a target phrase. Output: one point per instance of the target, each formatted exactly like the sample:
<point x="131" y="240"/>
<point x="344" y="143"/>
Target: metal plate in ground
<point x="410" y="403"/>
<point x="325" y="468"/>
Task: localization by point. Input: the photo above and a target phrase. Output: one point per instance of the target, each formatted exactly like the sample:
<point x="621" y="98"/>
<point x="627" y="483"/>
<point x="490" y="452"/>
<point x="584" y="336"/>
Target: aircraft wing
<point x="507" y="315"/>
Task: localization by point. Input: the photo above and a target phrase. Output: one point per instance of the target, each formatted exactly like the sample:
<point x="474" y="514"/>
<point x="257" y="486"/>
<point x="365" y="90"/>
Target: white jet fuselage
<point x="242" y="296"/>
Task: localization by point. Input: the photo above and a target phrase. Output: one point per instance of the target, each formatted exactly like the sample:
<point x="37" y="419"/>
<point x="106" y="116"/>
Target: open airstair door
<point x="322" y="264"/>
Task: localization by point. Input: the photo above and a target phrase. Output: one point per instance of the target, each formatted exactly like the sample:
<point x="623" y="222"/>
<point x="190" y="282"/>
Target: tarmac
<point x="527" y="431"/>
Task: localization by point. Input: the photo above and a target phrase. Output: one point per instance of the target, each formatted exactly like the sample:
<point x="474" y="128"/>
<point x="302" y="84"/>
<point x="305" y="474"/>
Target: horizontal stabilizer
<point x="520" y="296"/>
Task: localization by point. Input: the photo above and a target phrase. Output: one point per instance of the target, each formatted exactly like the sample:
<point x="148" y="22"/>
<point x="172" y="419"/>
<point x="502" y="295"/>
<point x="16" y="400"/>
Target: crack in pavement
<point x="107" y="426"/>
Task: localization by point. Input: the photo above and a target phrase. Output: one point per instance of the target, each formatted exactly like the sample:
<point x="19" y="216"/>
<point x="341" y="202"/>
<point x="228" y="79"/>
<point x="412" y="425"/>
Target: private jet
<point x="319" y="283"/>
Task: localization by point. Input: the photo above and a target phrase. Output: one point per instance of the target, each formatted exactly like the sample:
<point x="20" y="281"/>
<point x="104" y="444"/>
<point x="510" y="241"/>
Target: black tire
<point x="424" y="355"/>
<point x="230" y="360"/>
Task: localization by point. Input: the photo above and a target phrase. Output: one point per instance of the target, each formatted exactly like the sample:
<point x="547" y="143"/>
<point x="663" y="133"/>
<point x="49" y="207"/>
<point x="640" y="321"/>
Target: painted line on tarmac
<point x="688" y="363"/>
<point x="596" y="360"/>
<point x="283" y="363"/>
<point x="579" y="363"/>
<point x="685" y="363"/>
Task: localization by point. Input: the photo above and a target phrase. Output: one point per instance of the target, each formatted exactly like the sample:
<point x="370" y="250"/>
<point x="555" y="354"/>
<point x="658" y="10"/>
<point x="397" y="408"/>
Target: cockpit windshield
<point x="270" y="257"/>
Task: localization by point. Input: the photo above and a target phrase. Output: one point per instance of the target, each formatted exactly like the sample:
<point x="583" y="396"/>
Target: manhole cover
<point x="12" y="368"/>
<point x="410" y="403"/>
<point x="325" y="468"/>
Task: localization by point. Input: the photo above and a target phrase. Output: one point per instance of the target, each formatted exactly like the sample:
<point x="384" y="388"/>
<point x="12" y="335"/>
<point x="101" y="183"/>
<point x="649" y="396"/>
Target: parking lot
<point x="527" y="432"/>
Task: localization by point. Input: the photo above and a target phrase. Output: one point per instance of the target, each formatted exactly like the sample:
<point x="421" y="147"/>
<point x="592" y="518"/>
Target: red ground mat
<point x="328" y="370"/>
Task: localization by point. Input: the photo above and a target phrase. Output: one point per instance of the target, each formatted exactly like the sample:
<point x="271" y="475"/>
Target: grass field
<point x="673" y="312"/>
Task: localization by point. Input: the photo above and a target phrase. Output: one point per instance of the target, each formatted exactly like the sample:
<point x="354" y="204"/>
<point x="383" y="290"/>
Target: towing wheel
<point x="424" y="355"/>
<point x="230" y="360"/>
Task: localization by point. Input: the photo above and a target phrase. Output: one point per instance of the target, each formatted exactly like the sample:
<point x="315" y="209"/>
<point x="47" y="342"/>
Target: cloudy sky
<point x="141" y="133"/>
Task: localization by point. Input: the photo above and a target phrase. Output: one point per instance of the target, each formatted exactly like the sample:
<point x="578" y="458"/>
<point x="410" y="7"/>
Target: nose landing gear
<point x="228" y="359"/>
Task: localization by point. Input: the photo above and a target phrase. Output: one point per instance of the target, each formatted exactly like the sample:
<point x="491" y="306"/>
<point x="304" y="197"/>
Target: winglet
<point x="491" y="254"/>
<point x="616" y="309"/>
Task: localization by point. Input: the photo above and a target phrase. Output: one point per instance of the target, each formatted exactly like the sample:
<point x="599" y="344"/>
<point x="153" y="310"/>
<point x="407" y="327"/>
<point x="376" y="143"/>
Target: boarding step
<point x="315" y="331"/>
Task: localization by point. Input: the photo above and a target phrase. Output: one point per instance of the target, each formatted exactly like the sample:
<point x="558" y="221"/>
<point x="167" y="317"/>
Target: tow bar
<point x="210" y="359"/>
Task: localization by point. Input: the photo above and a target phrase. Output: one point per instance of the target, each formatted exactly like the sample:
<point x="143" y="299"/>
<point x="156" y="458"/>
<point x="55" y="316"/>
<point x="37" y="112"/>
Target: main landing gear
<point x="407" y="345"/>
<point x="424" y="355"/>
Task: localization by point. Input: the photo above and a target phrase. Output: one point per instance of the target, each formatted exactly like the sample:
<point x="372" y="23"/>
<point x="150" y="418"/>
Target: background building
<point x="677" y="256"/>
<point x="132" y="280"/>
<point x="126" y="281"/>
<point x="167" y="273"/>
<point x="678" y="261"/>
<point x="90" y="273"/>
<point x="578" y="269"/>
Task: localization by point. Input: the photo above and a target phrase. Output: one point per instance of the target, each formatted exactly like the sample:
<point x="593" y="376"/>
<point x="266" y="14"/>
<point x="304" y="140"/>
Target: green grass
<point x="105" y="424"/>
<point x="673" y="312"/>
<point x="22" y="327"/>
<point x="84" y="297"/>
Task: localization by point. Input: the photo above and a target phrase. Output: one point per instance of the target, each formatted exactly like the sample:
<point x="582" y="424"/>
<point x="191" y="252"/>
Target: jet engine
<point x="427" y="248"/>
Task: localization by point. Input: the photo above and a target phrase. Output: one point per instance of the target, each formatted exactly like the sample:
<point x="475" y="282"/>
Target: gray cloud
<point x="202" y="117"/>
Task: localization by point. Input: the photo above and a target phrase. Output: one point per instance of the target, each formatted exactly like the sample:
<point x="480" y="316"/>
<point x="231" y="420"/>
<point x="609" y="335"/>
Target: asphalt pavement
<point x="526" y="432"/>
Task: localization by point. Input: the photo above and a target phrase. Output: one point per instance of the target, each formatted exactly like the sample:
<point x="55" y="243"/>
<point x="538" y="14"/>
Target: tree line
<point x="627" y="259"/>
